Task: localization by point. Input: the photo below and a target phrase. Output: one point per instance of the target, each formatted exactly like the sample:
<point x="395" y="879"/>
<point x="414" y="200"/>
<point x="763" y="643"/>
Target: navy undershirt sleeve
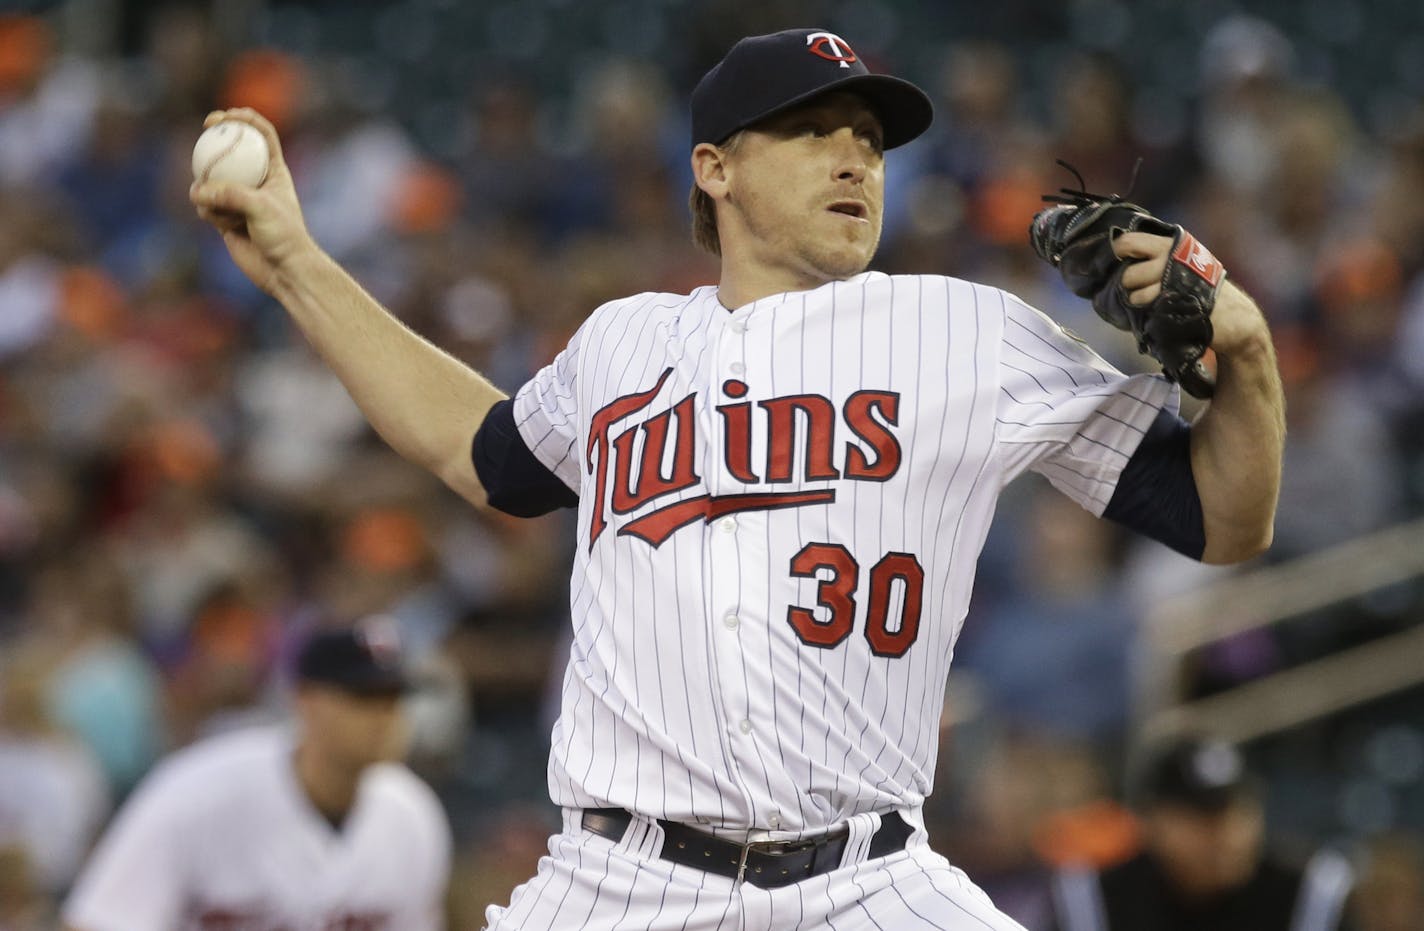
<point x="516" y="482"/>
<point x="1156" y="494"/>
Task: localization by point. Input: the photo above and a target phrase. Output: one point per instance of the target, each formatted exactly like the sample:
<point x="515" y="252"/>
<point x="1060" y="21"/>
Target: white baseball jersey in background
<point x="221" y="836"/>
<point x="780" y="511"/>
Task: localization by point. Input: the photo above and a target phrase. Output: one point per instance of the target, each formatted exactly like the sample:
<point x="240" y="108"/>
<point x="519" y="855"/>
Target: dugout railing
<point x="1275" y="597"/>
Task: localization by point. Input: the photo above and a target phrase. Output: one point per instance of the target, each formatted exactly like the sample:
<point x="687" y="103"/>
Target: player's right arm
<point x="422" y="401"/>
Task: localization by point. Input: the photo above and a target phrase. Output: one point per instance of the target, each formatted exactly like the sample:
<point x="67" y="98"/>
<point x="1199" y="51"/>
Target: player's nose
<point x="851" y="161"/>
<point x="851" y="172"/>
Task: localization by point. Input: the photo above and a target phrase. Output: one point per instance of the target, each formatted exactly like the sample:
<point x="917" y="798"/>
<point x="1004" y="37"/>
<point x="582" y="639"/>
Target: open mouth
<point x="851" y="208"/>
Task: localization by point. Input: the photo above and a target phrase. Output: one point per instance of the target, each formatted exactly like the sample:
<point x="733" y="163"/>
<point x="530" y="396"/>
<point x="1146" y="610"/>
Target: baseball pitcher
<point x="783" y="483"/>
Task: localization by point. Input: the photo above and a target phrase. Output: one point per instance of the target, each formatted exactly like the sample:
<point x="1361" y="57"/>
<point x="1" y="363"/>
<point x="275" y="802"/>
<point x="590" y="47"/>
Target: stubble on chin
<point x="845" y="259"/>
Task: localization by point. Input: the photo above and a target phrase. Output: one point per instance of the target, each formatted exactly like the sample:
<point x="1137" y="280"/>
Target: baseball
<point x="231" y="151"/>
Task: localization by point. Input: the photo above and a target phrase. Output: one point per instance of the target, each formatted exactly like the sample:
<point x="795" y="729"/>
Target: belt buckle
<point x="773" y="847"/>
<point x="742" y="861"/>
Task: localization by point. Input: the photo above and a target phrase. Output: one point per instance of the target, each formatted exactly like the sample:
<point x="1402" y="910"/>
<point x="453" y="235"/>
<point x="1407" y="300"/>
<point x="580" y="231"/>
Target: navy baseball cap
<point x="764" y="75"/>
<point x="1200" y="773"/>
<point x="364" y="659"/>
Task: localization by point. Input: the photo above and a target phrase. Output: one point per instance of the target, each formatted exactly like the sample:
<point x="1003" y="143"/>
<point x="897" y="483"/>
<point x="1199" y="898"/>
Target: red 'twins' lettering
<point x="667" y="463"/>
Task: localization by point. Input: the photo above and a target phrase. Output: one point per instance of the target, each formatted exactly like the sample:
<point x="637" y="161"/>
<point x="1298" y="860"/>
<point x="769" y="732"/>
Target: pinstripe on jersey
<point x="825" y="446"/>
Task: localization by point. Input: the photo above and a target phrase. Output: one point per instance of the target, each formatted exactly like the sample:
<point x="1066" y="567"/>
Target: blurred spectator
<point x="1204" y="862"/>
<point x="99" y="684"/>
<point x="511" y="179"/>
<point x="1397" y="207"/>
<point x="980" y="112"/>
<point x="301" y="425"/>
<point x="1245" y="67"/>
<point x="1017" y="785"/>
<point x="1092" y="122"/>
<point x="349" y="164"/>
<point x="53" y="795"/>
<point x="30" y="281"/>
<point x="113" y="183"/>
<point x="1390" y="894"/>
<point x="620" y="176"/>
<point x="1407" y="409"/>
<point x="1051" y="653"/>
<point x="23" y="904"/>
<point x="274" y="83"/>
<point x="1359" y="287"/>
<point x="216" y="680"/>
<point x="183" y="540"/>
<point x="1333" y="429"/>
<point x="1310" y="201"/>
<point x="507" y="853"/>
<point x="185" y="58"/>
<point x="383" y="559"/>
<point x="937" y="180"/>
<point x="47" y="101"/>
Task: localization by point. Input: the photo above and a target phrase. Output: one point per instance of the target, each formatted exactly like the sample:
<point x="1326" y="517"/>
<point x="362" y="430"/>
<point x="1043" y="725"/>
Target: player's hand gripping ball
<point x="231" y="151"/>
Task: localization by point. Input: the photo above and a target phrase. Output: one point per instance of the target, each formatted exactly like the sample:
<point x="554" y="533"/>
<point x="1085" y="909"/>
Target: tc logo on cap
<point x="831" y="47"/>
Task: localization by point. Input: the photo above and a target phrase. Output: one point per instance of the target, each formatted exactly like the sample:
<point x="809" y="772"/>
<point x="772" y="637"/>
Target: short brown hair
<point x="704" y="211"/>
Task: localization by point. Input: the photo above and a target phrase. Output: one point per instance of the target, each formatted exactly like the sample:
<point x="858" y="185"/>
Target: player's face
<point x="353" y="731"/>
<point x="1207" y="854"/>
<point x="807" y="188"/>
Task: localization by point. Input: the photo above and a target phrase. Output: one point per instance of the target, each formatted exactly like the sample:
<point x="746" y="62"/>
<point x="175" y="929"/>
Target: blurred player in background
<point x="1204" y="864"/>
<point x="317" y="828"/>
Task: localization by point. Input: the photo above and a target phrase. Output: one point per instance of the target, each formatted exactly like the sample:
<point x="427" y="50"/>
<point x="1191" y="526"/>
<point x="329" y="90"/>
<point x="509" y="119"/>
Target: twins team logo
<point x="656" y="458"/>
<point x="831" y="47"/>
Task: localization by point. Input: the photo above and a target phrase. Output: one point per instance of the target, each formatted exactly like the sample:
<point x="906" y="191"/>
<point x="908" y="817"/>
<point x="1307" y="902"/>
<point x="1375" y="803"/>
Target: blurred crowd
<point x="185" y="490"/>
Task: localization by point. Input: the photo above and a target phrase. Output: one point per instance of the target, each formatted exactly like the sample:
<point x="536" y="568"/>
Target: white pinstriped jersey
<point x="780" y="511"/>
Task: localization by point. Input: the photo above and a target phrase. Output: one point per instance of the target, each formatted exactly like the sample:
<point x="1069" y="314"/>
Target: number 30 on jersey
<point x="836" y="594"/>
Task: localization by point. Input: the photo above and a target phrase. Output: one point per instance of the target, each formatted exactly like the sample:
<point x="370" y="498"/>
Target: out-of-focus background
<point x="184" y="490"/>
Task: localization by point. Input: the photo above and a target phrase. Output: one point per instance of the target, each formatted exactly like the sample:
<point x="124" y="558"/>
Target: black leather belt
<point x="765" y="864"/>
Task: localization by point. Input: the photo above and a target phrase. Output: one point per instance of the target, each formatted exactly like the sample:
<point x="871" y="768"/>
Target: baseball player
<point x="783" y="483"/>
<point x="267" y="829"/>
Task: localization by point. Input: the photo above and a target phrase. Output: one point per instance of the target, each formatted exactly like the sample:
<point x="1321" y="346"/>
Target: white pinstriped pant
<point x="589" y="883"/>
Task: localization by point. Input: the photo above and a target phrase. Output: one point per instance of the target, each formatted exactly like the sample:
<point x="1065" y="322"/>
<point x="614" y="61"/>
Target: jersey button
<point x="739" y="326"/>
<point x="737" y="368"/>
<point x="774" y="822"/>
<point x="728" y="524"/>
<point x="745" y="726"/>
<point x="731" y="621"/>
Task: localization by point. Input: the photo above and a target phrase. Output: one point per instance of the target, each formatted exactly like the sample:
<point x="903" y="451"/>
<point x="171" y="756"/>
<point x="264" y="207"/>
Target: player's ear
<point x="710" y="169"/>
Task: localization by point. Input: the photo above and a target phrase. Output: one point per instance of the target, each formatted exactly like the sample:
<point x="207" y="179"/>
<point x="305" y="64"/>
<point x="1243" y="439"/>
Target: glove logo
<point x="831" y="47"/>
<point x="1199" y="259"/>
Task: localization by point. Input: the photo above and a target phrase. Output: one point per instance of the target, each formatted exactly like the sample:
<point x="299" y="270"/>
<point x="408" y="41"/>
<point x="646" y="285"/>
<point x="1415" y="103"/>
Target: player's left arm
<point x="1237" y="442"/>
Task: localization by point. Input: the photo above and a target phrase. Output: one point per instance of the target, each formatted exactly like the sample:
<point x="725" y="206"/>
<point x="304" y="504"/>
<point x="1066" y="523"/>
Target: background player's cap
<point x="763" y="75"/>
<point x="1198" y="772"/>
<point x="365" y="658"/>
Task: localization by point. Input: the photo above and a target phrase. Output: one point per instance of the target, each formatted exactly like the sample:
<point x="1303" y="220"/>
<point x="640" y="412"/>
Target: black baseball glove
<point x="1076" y="236"/>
